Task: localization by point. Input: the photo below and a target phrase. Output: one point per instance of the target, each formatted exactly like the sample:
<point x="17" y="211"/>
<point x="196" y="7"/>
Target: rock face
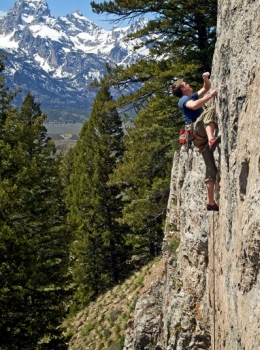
<point x="209" y="294"/>
<point x="237" y="76"/>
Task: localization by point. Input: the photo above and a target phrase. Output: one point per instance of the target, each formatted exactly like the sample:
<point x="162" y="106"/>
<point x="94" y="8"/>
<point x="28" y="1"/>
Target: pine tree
<point x="95" y="206"/>
<point x="144" y="173"/>
<point x="181" y="40"/>
<point x="183" y="29"/>
<point x="34" y="240"/>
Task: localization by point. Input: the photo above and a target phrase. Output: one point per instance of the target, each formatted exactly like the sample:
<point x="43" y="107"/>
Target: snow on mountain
<point x="56" y="59"/>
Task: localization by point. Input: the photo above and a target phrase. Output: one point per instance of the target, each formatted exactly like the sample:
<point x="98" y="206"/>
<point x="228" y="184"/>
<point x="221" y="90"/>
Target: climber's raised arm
<point x="191" y="104"/>
<point x="206" y="84"/>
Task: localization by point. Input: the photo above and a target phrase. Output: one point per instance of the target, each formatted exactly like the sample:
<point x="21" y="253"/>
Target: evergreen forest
<point x="74" y="225"/>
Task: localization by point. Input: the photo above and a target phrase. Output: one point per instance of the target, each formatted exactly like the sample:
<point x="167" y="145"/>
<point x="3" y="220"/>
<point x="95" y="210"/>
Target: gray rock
<point x="210" y="297"/>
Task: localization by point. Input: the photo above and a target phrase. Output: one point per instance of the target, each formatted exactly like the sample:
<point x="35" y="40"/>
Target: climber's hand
<point x="206" y="75"/>
<point x="214" y="93"/>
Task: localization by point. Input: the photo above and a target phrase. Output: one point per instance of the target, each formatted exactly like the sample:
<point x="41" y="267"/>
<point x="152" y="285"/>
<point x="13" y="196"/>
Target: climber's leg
<point x="210" y="128"/>
<point x="211" y="175"/>
<point x="210" y="192"/>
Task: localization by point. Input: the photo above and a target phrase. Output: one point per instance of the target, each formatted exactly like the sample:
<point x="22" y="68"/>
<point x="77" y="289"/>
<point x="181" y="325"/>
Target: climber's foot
<point x="213" y="207"/>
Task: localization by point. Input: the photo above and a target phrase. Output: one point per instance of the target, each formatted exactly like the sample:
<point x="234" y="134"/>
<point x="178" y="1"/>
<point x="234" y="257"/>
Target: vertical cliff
<point x="208" y="296"/>
<point x="237" y="76"/>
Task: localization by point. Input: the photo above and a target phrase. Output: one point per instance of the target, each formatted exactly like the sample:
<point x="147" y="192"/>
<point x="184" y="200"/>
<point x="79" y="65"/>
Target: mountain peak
<point x="33" y="8"/>
<point x="23" y="13"/>
<point x="78" y="12"/>
<point x="57" y="58"/>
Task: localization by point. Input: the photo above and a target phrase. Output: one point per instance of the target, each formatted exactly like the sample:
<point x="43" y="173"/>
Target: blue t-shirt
<point x="189" y="115"/>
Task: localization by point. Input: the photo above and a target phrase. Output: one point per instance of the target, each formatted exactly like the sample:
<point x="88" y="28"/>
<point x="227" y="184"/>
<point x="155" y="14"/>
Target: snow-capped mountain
<point x="57" y="58"/>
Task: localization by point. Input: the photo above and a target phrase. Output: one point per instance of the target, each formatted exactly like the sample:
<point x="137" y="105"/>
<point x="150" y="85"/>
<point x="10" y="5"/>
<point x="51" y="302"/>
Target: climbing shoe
<point x="214" y="142"/>
<point x="213" y="207"/>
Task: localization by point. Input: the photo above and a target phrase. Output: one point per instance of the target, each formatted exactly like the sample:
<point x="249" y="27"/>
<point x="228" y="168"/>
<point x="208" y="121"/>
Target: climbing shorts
<point x="199" y="126"/>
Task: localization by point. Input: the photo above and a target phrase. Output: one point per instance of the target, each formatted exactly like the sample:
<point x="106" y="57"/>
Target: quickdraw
<point x="186" y="136"/>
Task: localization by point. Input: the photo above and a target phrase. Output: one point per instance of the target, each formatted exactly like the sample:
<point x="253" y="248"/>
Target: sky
<point x="64" y="7"/>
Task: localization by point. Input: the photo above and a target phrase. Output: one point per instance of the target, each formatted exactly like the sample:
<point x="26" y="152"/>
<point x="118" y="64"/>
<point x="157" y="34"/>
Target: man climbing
<point x="201" y="124"/>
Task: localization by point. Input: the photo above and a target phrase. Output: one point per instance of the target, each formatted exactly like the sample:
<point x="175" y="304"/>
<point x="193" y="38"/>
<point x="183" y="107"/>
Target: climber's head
<point x="180" y="88"/>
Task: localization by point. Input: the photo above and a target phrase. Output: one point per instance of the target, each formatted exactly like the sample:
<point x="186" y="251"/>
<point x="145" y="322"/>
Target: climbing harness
<point x="188" y="134"/>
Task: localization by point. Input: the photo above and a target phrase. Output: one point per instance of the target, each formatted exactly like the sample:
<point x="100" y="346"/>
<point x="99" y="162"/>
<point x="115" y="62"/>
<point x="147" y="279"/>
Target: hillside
<point x="102" y="325"/>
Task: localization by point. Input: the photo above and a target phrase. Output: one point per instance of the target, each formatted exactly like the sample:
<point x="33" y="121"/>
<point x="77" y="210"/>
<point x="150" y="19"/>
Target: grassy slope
<point x="102" y="325"/>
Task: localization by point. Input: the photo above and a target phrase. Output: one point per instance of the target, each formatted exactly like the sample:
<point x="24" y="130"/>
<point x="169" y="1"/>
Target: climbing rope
<point x="213" y="289"/>
<point x="213" y="268"/>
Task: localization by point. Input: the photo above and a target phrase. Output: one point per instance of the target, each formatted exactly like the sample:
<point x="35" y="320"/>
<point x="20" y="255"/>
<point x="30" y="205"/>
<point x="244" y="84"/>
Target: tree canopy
<point x="34" y="241"/>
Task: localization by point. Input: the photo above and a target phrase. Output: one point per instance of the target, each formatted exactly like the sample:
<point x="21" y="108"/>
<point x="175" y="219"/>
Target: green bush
<point x="86" y="330"/>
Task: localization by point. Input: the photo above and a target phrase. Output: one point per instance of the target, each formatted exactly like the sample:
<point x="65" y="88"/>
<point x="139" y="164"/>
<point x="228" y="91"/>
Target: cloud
<point x="2" y="13"/>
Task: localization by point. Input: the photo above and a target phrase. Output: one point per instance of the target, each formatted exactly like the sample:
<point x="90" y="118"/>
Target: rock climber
<point x="201" y="125"/>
